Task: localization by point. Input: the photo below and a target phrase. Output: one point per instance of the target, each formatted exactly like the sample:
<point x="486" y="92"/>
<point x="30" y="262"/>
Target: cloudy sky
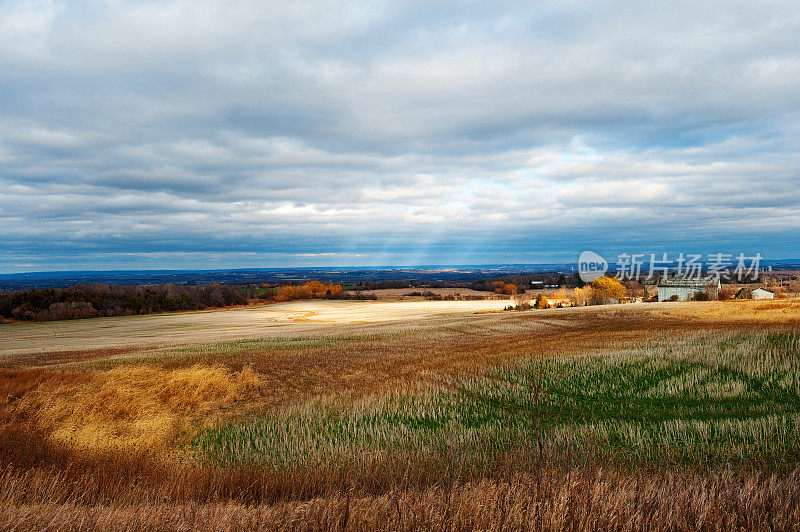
<point x="194" y="134"/>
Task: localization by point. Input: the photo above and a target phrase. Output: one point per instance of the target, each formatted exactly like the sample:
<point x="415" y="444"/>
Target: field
<point x="405" y="415"/>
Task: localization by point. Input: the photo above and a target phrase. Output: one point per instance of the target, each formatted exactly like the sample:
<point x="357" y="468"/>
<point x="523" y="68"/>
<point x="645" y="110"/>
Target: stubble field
<point x="405" y="415"/>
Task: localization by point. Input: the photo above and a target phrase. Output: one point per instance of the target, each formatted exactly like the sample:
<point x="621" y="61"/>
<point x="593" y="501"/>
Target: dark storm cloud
<point x="200" y="133"/>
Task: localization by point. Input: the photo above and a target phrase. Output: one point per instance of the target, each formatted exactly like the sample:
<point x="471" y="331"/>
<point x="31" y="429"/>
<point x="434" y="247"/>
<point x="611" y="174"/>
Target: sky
<point x="197" y="134"/>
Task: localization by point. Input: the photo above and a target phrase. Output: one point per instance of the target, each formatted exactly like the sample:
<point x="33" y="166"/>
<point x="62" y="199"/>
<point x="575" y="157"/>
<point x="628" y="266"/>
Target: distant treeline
<point x="90" y="301"/>
<point x="98" y="300"/>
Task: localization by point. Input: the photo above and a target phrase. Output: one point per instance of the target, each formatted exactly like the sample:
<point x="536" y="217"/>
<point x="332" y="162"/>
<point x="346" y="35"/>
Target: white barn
<point x="763" y="293"/>
<point x="686" y="288"/>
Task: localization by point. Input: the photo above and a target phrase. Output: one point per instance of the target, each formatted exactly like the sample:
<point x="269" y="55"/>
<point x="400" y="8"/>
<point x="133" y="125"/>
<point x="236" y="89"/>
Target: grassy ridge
<point x="718" y="399"/>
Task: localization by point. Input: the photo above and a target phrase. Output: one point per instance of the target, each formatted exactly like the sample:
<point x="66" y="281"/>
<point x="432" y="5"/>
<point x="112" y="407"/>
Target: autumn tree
<point x="333" y="289"/>
<point x="728" y="291"/>
<point x="310" y="290"/>
<point x="315" y="288"/>
<point x="582" y="296"/>
<point x="607" y="288"/>
<point x="794" y="287"/>
<point x="286" y="293"/>
<point x="634" y="289"/>
<point x="501" y="287"/>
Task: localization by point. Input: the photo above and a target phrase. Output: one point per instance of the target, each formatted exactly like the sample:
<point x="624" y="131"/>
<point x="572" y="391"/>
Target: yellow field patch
<point x="136" y="406"/>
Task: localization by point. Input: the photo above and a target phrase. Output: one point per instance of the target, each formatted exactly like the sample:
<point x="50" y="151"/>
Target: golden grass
<point x="741" y="310"/>
<point x="134" y="407"/>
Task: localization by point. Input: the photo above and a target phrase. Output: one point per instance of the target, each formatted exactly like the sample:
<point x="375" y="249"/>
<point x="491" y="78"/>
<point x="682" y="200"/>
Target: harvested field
<point x="368" y="415"/>
<point x="240" y="323"/>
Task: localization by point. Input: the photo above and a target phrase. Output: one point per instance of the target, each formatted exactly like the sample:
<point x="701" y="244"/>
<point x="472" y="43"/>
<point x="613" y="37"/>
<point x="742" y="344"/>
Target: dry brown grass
<point x="125" y="403"/>
<point x="742" y="311"/>
<point x="129" y="407"/>
<point x="596" y="500"/>
<point x="87" y="434"/>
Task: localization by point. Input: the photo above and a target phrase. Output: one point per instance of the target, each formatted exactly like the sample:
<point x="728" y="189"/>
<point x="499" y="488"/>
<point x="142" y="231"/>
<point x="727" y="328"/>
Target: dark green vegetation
<point x="90" y="301"/>
<point x="717" y="400"/>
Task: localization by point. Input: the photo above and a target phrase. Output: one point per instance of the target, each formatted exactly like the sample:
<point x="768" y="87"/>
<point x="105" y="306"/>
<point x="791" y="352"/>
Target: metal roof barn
<point x="686" y="288"/>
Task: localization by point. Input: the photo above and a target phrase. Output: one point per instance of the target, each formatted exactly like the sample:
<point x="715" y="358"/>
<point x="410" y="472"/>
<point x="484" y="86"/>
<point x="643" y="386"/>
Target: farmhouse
<point x="686" y="288"/>
<point x="763" y="293"/>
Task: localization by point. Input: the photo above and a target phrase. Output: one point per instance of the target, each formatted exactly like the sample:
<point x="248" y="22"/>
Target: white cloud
<point x="186" y="126"/>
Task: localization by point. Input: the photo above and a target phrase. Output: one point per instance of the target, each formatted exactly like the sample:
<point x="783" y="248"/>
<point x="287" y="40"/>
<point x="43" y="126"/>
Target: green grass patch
<point x="714" y="400"/>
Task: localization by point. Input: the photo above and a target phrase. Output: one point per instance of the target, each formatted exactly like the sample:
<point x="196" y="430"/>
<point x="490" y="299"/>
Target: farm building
<point x="686" y="288"/>
<point x="763" y="293"/>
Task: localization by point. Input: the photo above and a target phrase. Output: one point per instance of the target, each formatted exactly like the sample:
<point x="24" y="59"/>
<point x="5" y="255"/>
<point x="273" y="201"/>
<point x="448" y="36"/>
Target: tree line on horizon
<point x="100" y="300"/>
<point x="105" y="300"/>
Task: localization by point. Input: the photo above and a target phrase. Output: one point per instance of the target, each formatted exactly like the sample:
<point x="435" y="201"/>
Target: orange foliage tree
<point x="582" y="296"/>
<point x="542" y="301"/>
<point x="607" y="288"/>
<point x="504" y="288"/>
<point x="310" y="290"/>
